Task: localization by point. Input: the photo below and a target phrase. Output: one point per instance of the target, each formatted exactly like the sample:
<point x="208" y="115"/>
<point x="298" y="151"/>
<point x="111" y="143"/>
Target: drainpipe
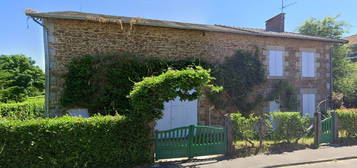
<point x="47" y="65"/>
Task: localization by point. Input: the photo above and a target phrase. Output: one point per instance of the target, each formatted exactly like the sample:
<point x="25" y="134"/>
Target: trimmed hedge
<point x="100" y="141"/>
<point x="244" y="127"/>
<point x="29" y="109"/>
<point x="289" y="126"/>
<point x="348" y="121"/>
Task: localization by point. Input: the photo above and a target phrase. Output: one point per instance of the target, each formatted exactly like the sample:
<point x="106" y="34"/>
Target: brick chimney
<point x="275" y="23"/>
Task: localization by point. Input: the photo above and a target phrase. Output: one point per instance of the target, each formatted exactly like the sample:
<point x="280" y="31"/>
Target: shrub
<point x="100" y="141"/>
<point x="30" y="109"/>
<point x="289" y="126"/>
<point x="244" y="127"/>
<point x="348" y="121"/>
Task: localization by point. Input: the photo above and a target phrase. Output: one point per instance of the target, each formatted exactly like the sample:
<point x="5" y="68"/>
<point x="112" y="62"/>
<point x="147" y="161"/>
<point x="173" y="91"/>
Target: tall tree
<point x="342" y="67"/>
<point x="19" y="78"/>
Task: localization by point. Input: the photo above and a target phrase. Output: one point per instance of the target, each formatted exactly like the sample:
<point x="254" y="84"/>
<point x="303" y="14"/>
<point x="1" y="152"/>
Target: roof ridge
<point x="75" y="15"/>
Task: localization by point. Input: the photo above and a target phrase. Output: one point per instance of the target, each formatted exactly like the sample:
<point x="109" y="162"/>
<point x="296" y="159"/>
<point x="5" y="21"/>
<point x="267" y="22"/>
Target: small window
<point x="274" y="106"/>
<point x="275" y="63"/>
<point x="308" y="64"/>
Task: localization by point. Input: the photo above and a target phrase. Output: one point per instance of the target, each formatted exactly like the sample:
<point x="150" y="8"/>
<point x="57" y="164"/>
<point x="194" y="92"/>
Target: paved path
<point x="323" y="157"/>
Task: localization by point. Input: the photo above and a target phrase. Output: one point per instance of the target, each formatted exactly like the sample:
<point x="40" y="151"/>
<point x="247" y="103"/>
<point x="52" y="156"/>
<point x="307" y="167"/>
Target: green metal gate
<point x="327" y="128"/>
<point x="190" y="141"/>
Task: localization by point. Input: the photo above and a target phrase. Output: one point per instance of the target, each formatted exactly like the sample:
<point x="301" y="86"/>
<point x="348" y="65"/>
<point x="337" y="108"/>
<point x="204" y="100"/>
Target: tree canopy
<point x="327" y="27"/>
<point x="19" y="78"/>
<point x="342" y="67"/>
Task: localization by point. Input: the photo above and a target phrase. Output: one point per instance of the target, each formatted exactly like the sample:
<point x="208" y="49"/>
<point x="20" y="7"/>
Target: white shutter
<point x="271" y="63"/>
<point x="312" y="65"/>
<point x="279" y="63"/>
<point x="308" y="64"/>
<point x="275" y="63"/>
<point x="274" y="106"/>
<point x="308" y="106"/>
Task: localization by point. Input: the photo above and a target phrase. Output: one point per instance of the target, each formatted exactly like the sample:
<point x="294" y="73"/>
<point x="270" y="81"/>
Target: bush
<point x="100" y="141"/>
<point x="348" y="121"/>
<point x="244" y="127"/>
<point x="289" y="126"/>
<point x="30" y="109"/>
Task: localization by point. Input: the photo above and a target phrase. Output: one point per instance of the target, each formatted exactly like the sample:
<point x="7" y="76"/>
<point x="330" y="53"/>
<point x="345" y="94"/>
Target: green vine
<point x="148" y="96"/>
<point x="102" y="83"/>
<point x="239" y="74"/>
<point x="285" y="94"/>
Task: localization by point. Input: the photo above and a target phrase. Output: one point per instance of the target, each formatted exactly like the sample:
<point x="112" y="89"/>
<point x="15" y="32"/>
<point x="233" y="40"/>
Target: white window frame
<point x="308" y="64"/>
<point x="276" y="63"/>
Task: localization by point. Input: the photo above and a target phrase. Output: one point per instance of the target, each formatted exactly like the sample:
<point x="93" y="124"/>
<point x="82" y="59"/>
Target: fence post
<point x="317" y="129"/>
<point x="229" y="134"/>
<point x="190" y="141"/>
<point x="334" y="127"/>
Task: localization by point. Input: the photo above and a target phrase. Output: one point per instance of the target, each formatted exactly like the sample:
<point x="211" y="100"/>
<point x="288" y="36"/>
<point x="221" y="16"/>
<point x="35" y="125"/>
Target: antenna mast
<point x="285" y="6"/>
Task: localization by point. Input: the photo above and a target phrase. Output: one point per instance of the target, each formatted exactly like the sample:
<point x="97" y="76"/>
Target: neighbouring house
<point x="305" y="61"/>
<point x="353" y="43"/>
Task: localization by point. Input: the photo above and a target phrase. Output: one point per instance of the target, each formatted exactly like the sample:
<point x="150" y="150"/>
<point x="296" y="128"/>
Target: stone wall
<point x="73" y="38"/>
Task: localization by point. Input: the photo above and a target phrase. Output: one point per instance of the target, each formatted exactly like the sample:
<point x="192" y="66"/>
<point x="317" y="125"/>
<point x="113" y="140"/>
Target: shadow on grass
<point x="345" y="141"/>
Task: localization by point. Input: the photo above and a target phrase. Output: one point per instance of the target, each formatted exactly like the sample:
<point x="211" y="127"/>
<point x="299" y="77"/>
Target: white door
<point x="178" y="114"/>
<point x="308" y="104"/>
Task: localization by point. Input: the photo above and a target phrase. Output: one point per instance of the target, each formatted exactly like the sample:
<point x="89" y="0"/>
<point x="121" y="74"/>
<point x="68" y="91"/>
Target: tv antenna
<point x="80" y="5"/>
<point x="283" y="6"/>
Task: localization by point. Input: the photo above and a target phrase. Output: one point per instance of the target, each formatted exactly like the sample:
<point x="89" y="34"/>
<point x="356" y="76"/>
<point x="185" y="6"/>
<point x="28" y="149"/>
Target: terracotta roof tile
<point x="352" y="39"/>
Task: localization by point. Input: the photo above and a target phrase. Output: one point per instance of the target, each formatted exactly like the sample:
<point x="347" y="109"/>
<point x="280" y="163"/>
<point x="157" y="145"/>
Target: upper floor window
<point x="275" y="63"/>
<point x="308" y="64"/>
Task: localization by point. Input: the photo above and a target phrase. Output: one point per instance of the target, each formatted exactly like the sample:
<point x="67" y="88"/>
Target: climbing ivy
<point x="101" y="83"/>
<point x="239" y="74"/>
<point x="148" y="96"/>
<point x="284" y="93"/>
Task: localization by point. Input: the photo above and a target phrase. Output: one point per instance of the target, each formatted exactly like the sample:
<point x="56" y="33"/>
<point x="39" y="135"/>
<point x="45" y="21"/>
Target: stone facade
<point x="67" y="38"/>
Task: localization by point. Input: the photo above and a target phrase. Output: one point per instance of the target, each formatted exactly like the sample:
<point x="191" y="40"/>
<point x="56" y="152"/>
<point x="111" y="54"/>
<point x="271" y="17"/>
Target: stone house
<point x="305" y="61"/>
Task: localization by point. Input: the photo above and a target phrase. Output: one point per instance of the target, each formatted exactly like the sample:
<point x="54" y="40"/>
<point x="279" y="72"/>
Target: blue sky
<point x="19" y="35"/>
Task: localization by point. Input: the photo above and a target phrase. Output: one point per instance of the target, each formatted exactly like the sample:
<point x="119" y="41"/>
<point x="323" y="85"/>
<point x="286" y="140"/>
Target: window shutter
<point x="274" y="106"/>
<point x="308" y="64"/>
<point x="312" y="65"/>
<point x="279" y="63"/>
<point x="271" y="63"/>
<point x="275" y="63"/>
<point x="308" y="106"/>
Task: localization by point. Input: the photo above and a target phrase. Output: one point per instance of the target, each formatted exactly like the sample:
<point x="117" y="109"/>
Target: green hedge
<point x="244" y="128"/>
<point x="289" y="126"/>
<point x="101" y="141"/>
<point x="29" y="109"/>
<point x="348" y="121"/>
